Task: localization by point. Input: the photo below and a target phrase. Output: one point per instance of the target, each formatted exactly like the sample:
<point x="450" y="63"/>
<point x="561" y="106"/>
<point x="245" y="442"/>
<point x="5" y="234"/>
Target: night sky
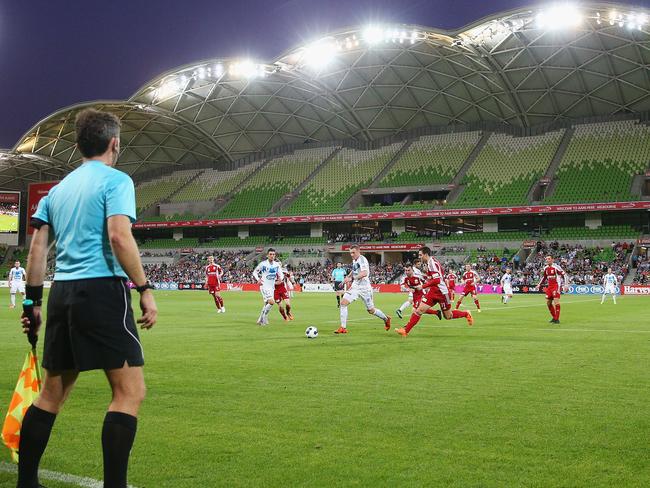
<point x="60" y="52"/>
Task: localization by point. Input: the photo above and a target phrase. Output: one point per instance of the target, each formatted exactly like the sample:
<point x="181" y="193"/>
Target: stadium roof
<point x="523" y="67"/>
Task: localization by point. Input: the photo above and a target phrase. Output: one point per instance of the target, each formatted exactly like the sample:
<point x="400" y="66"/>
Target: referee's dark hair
<point x="95" y="129"/>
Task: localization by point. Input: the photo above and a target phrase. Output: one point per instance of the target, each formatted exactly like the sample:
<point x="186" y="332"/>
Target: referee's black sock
<point x="117" y="439"/>
<point x="34" y="434"/>
<point x="338" y="300"/>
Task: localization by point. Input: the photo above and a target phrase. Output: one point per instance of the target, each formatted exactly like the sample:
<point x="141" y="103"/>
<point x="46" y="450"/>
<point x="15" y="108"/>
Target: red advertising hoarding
<point x="35" y="192"/>
<point x="385" y="247"/>
<point x="635" y="290"/>
<point x="452" y="212"/>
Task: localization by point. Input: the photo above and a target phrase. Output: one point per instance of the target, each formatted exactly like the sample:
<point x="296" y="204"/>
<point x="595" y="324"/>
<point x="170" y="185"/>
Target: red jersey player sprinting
<point x="414" y="282"/>
<point x="281" y="293"/>
<point x="554" y="276"/>
<point x="470" y="279"/>
<point x="436" y="292"/>
<point x="451" y="284"/>
<point x="213" y="274"/>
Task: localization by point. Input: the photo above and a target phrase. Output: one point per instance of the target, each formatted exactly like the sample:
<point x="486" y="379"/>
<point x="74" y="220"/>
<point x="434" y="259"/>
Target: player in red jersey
<point x="470" y="279"/>
<point x="414" y="282"/>
<point x="281" y="293"/>
<point x="436" y="292"/>
<point x="450" y="279"/>
<point x="213" y="274"/>
<point x="417" y="272"/>
<point x="554" y="276"/>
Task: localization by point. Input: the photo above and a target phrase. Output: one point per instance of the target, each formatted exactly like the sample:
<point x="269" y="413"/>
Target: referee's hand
<point x="149" y="310"/>
<point x="27" y="327"/>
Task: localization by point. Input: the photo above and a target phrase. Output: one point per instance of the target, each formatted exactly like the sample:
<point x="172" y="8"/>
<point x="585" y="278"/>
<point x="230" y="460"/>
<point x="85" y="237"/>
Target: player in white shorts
<point x="418" y="274"/>
<point x="17" y="277"/>
<point x="266" y="273"/>
<point x="359" y="287"/>
<point x="506" y="286"/>
<point x="610" y="281"/>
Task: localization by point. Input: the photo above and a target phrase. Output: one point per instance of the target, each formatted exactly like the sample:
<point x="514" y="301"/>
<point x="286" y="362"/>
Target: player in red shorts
<point x="413" y="282"/>
<point x="470" y="279"/>
<point x="450" y="279"/>
<point x="213" y="274"/>
<point x="554" y="276"/>
<point x="436" y="292"/>
<point x="281" y="293"/>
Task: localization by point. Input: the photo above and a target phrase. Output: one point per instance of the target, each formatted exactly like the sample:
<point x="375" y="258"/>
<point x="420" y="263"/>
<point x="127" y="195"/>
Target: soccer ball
<point x="311" y="332"/>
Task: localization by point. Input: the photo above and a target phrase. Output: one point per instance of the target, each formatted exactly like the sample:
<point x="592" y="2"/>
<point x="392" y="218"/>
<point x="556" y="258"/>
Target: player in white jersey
<point x="610" y="281"/>
<point x="17" y="277"/>
<point x="266" y="274"/>
<point x="417" y="272"/>
<point x="506" y="286"/>
<point x="359" y="287"/>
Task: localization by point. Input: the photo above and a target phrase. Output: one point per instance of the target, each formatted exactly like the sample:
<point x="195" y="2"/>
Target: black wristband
<point x="146" y="286"/>
<point x="34" y="293"/>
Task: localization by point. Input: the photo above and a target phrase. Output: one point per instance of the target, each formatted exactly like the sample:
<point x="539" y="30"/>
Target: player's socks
<point x="216" y="303"/>
<point x="458" y="304"/>
<point x="282" y="312"/>
<point x="404" y="306"/>
<point x="289" y="312"/>
<point x="478" y="305"/>
<point x="614" y="298"/>
<point x="338" y="300"/>
<point x="459" y="314"/>
<point x="34" y="434"/>
<point x="13" y="299"/>
<point x="221" y="302"/>
<point x="557" y="312"/>
<point x="118" y="435"/>
<point x="602" y="299"/>
<point x="380" y="314"/>
<point x="437" y="313"/>
<point x="551" y="308"/>
<point x="415" y="318"/>
<point x="344" y="316"/>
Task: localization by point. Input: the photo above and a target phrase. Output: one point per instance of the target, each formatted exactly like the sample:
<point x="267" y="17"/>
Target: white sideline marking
<point x="46" y="474"/>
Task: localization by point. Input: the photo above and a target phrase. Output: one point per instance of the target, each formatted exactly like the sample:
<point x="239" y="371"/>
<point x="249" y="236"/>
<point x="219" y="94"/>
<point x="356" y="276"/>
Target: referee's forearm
<point x="127" y="254"/>
<point x="37" y="257"/>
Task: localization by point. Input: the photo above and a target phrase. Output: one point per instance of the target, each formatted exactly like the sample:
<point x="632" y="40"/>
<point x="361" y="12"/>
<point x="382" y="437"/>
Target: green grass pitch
<point x="8" y="223"/>
<point x="512" y="401"/>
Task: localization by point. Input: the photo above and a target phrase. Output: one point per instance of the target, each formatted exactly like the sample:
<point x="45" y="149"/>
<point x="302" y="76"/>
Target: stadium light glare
<point x="201" y="73"/>
<point x="559" y="17"/>
<point x="218" y="70"/>
<point x="319" y="54"/>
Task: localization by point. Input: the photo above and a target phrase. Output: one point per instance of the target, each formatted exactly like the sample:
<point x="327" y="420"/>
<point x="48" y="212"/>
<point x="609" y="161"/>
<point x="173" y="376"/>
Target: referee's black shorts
<point x="338" y="286"/>
<point x="90" y="325"/>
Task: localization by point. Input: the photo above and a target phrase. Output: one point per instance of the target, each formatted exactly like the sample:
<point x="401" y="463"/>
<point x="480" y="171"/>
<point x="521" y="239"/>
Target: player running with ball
<point x="359" y="287"/>
<point x="553" y="275"/>
<point x="436" y="293"/>
<point x="213" y="274"/>
<point x="266" y="274"/>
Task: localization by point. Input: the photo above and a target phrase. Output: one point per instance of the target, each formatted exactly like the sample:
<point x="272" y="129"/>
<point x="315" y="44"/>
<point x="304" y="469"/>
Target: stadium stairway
<point x="226" y="198"/>
<point x="287" y="200"/>
<point x="453" y="194"/>
<point x="537" y="192"/>
<point x="391" y="163"/>
<point x="194" y="178"/>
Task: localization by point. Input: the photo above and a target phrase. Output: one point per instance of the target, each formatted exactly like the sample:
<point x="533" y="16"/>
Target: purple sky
<point x="57" y="53"/>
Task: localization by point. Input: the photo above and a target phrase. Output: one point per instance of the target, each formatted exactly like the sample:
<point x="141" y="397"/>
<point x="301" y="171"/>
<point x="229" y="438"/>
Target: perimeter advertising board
<point x="35" y="192"/>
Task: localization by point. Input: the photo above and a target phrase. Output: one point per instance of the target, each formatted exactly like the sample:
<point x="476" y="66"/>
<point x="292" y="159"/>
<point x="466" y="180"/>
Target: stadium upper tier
<point x="601" y="162"/>
<point x="506" y="168"/>
<point x="522" y="68"/>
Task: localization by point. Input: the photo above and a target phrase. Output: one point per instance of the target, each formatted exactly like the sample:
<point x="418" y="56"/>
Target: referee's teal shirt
<point x="338" y="274"/>
<point x="77" y="209"/>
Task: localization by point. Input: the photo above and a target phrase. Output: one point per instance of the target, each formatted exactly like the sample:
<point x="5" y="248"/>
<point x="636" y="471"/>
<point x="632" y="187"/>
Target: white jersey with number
<point x="609" y="282"/>
<point x="268" y="272"/>
<point x="360" y="265"/>
<point x="506" y="283"/>
<point x="17" y="280"/>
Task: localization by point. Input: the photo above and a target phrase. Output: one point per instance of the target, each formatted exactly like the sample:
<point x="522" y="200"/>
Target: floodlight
<point x="559" y="17"/>
<point x="218" y="70"/>
<point x="373" y="35"/>
<point x="319" y="54"/>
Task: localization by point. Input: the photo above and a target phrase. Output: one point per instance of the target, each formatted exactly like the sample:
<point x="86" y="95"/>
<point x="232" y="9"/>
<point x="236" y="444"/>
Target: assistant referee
<point x="90" y="322"/>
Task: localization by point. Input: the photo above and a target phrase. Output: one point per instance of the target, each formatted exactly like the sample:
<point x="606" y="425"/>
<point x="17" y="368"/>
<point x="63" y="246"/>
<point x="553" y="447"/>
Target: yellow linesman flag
<point x="27" y="390"/>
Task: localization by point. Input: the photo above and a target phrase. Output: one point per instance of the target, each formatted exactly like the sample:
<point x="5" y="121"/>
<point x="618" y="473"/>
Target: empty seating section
<point x="506" y="168"/>
<point x="605" y="232"/>
<point x="346" y="173"/>
<point x="170" y="243"/>
<point x="601" y="161"/>
<point x="485" y="236"/>
<point x="214" y="183"/>
<point x="431" y="160"/>
<point x="154" y="191"/>
<point x="279" y="177"/>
